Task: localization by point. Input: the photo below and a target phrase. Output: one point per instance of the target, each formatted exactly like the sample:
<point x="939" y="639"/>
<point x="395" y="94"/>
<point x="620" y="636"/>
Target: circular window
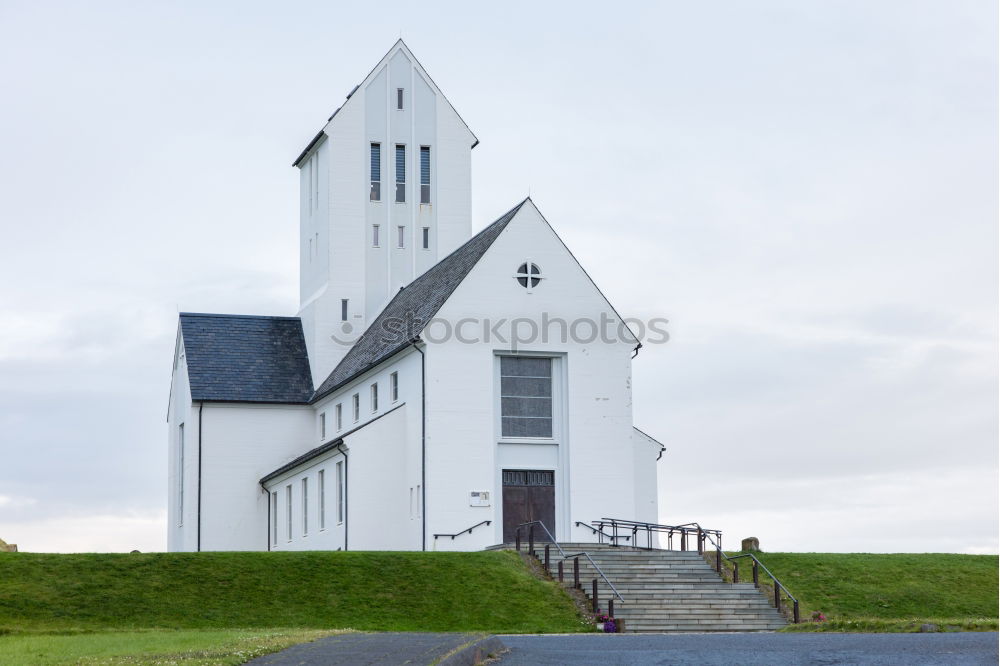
<point x="528" y="275"/>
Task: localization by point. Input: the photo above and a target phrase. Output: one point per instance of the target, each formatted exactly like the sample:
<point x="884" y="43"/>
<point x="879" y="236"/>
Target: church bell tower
<point x="385" y="193"/>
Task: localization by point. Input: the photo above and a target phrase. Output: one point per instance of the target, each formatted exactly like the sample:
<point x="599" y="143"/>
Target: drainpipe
<point x="201" y="406"/>
<point x="423" y="443"/>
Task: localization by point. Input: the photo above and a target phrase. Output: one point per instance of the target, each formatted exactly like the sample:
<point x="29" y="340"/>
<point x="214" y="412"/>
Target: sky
<point x="807" y="191"/>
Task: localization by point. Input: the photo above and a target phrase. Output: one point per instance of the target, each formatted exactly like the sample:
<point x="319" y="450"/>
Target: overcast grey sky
<point x="808" y="191"/>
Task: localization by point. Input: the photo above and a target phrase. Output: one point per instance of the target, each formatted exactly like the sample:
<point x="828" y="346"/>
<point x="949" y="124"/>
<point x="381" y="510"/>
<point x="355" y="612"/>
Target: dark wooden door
<point x="528" y="495"/>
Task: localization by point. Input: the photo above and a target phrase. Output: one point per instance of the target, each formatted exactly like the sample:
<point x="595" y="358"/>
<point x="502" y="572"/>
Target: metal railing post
<point x="777" y="596"/>
<point x="684" y="539"/>
<point x="593" y="587"/>
<point x="611" y="607"/>
<point x="795" y="611"/>
<point x="517" y="539"/>
<point x="736" y="572"/>
<point x="701" y="542"/>
<point x="546" y="557"/>
<point x="718" y="560"/>
<point x="560" y="567"/>
<point x="756" y="580"/>
<point x="576" y="572"/>
<point x="531" y="539"/>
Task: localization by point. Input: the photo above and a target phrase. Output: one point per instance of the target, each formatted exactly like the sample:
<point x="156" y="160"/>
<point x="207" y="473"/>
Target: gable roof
<point x="402" y="320"/>
<point x="401" y="46"/>
<point x="245" y="358"/>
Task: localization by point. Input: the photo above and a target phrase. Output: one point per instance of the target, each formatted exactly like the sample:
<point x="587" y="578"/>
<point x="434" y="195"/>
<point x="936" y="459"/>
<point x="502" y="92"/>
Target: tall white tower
<point x="385" y="192"/>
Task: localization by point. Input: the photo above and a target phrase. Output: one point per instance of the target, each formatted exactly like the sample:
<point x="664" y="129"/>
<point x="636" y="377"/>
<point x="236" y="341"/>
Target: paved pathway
<point x="711" y="649"/>
<point x="384" y="649"/>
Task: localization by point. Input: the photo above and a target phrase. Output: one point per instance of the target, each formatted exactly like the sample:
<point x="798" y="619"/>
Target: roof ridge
<point x="234" y="316"/>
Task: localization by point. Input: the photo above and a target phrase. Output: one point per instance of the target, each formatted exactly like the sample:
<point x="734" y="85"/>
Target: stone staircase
<point x="668" y="590"/>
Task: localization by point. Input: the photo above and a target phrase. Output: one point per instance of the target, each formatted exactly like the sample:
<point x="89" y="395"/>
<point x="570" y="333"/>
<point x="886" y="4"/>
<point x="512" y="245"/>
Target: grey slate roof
<point x="243" y="358"/>
<point x="413" y="307"/>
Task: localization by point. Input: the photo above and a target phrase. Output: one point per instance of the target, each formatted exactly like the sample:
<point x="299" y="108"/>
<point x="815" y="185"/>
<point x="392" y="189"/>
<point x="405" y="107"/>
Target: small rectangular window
<point x="343" y="309"/>
<point x="356" y="403"/>
<point x="321" y="508"/>
<point x="419" y="502"/>
<point x="305" y="506"/>
<point x="400" y="173"/>
<point x="394" y="386"/>
<point x="425" y="174"/>
<point x="288" y="511"/>
<point x="322" y="425"/>
<point x="400" y="237"/>
<point x="374" y="235"/>
<point x="340" y="492"/>
<point x="426" y="237"/>
<point x="411" y="502"/>
<point x="374" y="397"/>
<point x="274" y="518"/>
<point x="339" y="415"/>
<point x="376" y="172"/>
<point x="399" y="98"/>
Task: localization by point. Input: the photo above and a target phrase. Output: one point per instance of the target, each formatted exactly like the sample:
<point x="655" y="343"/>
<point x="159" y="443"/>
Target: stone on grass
<point x="750" y="545"/>
<point x="928" y="628"/>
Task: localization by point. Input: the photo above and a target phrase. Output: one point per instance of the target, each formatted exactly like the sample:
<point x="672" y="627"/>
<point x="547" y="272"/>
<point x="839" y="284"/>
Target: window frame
<point x="288" y="512"/>
<point x="373" y="397"/>
<point x="305" y="506"/>
<point x="340" y="492"/>
<point x="321" y="498"/>
<point x="356" y="406"/>
<point x="344" y="308"/>
<point x="375" y="191"/>
<point x="400" y="99"/>
<point x="180" y="475"/>
<point x="399" y="164"/>
<point x="339" y="414"/>
<point x="425" y="239"/>
<point x="400" y="237"/>
<point x="425" y="188"/>
<point x="322" y="426"/>
<point x="375" y="236"/>
<point x="394" y="386"/>
<point x="558" y="369"/>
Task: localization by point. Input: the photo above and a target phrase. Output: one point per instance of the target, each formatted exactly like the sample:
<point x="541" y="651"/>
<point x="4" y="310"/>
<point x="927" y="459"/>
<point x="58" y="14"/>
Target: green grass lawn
<point x="151" y="646"/>
<point x="382" y="591"/>
<point x="896" y="592"/>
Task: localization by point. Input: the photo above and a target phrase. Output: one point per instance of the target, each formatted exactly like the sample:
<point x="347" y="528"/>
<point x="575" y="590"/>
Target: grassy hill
<point x="889" y="592"/>
<point x="485" y="591"/>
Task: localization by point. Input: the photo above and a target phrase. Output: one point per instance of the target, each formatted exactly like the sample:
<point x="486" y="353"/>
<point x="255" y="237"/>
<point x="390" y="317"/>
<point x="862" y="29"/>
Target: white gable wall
<point x="594" y="459"/>
<point x="181" y="529"/>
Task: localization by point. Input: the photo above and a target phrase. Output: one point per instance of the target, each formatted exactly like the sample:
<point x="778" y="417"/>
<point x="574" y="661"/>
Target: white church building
<point x="437" y="387"/>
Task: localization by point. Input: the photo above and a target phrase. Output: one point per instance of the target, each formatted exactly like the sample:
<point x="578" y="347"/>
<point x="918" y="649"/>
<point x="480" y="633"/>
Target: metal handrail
<point x="704" y="534"/>
<point x="467" y="530"/>
<point x="594" y="530"/>
<point x="634" y="526"/>
<point x="562" y="552"/>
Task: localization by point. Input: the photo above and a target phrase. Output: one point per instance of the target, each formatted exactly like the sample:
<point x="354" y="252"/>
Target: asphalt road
<point x="710" y="649"/>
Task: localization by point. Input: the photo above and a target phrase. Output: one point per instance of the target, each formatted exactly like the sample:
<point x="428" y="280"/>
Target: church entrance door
<point x="528" y="495"/>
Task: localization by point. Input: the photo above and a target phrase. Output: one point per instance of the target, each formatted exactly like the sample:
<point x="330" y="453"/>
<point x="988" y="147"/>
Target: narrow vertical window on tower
<point x="425" y="174"/>
<point x="375" y="397"/>
<point x="339" y="412"/>
<point x="356" y="406"/>
<point x="343" y="309"/>
<point x="400" y="173"/>
<point x="427" y="238"/>
<point x="376" y="172"/>
<point x="400" y="237"/>
<point x="322" y="426"/>
<point x="394" y="386"/>
<point x="374" y="235"/>
<point x="399" y="99"/>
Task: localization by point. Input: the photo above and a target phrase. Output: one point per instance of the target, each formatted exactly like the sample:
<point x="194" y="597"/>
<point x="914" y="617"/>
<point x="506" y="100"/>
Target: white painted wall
<point x="181" y="521"/>
<point x="322" y="527"/>
<point x="646" y="450"/>
<point x="241" y="443"/>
